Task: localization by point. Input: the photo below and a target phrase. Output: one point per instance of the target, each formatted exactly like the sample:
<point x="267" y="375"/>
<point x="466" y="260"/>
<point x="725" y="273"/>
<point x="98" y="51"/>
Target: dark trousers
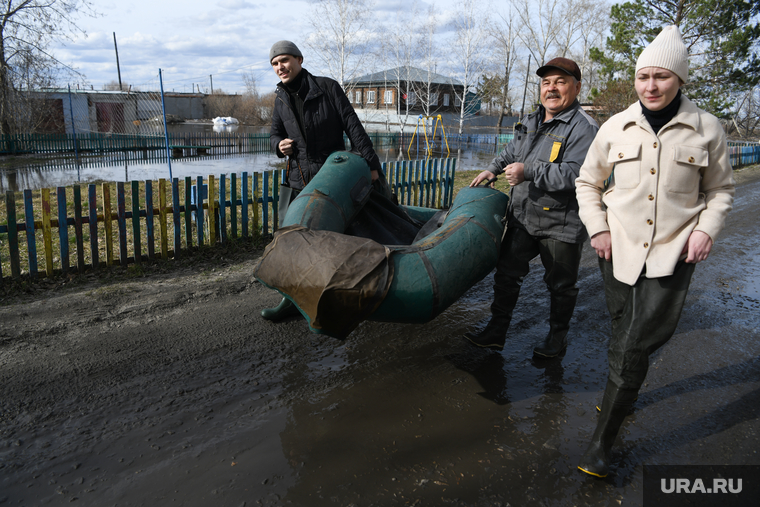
<point x="644" y="317"/>
<point x="561" y="261"/>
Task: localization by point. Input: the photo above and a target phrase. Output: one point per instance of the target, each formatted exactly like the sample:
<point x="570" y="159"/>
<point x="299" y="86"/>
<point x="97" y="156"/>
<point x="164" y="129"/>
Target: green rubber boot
<point x="285" y="309"/>
<point x="615" y="406"/>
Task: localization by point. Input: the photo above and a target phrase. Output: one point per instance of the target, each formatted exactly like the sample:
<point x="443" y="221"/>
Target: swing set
<point x="429" y="142"/>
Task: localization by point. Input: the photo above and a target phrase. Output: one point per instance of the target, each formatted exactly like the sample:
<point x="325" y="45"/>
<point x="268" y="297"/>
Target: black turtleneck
<point x="297" y="89"/>
<point x="658" y="119"/>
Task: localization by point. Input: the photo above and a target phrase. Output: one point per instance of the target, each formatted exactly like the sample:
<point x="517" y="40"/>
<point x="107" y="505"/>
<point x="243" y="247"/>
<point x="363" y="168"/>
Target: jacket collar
<point x="314" y="88"/>
<point x="688" y="114"/>
<point x="564" y="116"/>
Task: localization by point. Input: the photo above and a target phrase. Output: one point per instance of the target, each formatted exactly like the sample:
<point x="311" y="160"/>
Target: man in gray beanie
<point x="310" y="115"/>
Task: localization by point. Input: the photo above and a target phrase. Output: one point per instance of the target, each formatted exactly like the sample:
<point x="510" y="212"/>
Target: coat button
<point x="651" y="197"/>
<point x="655" y="145"/>
<point x="649" y="221"/>
<point x="646" y="245"/>
<point x="620" y="155"/>
<point x="652" y="170"/>
<point x="691" y="160"/>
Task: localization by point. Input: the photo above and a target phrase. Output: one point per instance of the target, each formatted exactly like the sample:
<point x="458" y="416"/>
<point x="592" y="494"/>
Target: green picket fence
<point x="70" y="229"/>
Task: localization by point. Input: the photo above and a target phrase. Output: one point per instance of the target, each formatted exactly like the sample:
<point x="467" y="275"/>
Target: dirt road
<point x="171" y="390"/>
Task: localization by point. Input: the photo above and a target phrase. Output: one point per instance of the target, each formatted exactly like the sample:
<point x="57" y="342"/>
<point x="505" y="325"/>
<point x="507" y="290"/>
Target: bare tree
<point x="399" y="48"/>
<point x="471" y="27"/>
<point x="585" y="27"/>
<point x="27" y="30"/>
<point x="506" y="54"/>
<point x="541" y="22"/>
<point x="254" y="108"/>
<point x="746" y="120"/>
<point x="221" y="103"/>
<point x="425" y="90"/>
<point x="342" y="32"/>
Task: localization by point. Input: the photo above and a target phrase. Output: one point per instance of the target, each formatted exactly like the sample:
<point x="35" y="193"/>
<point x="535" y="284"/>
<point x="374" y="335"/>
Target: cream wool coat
<point x="664" y="187"/>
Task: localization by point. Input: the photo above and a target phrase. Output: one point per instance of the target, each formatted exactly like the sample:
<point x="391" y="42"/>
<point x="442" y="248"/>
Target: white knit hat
<point x="667" y="51"/>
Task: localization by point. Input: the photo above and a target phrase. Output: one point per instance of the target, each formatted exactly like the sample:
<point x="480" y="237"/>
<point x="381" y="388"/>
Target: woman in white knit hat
<point x="671" y="190"/>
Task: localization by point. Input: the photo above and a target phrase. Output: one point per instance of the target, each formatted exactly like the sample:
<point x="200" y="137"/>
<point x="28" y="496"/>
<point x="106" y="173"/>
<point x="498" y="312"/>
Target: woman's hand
<point x="602" y="243"/>
<point x="698" y="247"/>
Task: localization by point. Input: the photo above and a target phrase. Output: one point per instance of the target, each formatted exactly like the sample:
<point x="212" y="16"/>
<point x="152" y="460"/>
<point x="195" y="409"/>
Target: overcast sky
<point x="193" y="39"/>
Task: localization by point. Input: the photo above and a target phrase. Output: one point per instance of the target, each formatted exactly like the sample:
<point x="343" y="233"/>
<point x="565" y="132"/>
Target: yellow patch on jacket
<point x="555" y="151"/>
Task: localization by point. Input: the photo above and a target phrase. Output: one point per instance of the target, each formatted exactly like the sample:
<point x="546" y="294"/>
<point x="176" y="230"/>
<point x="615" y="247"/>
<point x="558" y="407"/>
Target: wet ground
<point x="171" y="390"/>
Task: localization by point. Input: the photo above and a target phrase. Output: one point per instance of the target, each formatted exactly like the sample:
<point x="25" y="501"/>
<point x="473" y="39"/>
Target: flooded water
<point x="54" y="172"/>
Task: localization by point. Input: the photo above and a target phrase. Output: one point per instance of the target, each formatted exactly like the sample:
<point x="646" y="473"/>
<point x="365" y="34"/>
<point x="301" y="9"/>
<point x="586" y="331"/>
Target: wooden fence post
<point x="162" y="218"/>
<point x="121" y="217"/>
<point x="211" y="210"/>
<point x="92" y="201"/>
<point x="63" y="229"/>
<point x="108" y="222"/>
<point x="244" y="210"/>
<point x="78" y="227"/>
<point x="10" y="206"/>
<point x="31" y="239"/>
<point x="150" y="233"/>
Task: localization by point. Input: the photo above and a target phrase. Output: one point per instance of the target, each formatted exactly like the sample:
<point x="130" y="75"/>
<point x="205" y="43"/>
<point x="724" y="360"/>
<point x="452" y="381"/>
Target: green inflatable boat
<point x="346" y="253"/>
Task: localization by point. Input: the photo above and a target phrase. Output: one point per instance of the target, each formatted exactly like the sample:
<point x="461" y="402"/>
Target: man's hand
<point x="286" y="147"/>
<point x="698" y="247"/>
<point x="515" y="173"/>
<point x="484" y="176"/>
<point x="602" y="243"/>
<point x="375" y="175"/>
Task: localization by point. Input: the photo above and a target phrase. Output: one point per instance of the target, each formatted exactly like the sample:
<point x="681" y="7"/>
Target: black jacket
<point x="327" y="114"/>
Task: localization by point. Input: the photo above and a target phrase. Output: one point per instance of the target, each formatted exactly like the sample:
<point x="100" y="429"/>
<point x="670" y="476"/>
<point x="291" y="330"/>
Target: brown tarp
<point x="335" y="279"/>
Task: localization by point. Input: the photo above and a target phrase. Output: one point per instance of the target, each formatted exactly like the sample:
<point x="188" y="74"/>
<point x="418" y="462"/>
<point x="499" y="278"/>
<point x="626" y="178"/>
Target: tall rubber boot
<point x="616" y="405"/>
<point x="285" y="309"/>
<point x="494" y="336"/>
<point x="555" y="343"/>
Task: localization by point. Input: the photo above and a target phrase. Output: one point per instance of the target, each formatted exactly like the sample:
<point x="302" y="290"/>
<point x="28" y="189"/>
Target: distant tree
<point x="614" y="98"/>
<point x="471" y="27"/>
<point x="399" y="49"/>
<point x="425" y="90"/>
<point x="27" y="30"/>
<point x="506" y="53"/>
<point x="114" y="85"/>
<point x="722" y="37"/>
<point x="340" y="40"/>
<point x="746" y="120"/>
<point x="254" y="108"/>
<point x="222" y="104"/>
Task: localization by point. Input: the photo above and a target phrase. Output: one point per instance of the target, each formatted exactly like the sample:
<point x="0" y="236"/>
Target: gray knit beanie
<point x="667" y="51"/>
<point x="284" y="47"/>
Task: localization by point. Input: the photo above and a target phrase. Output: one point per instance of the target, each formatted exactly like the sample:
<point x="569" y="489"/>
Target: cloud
<point x="236" y="5"/>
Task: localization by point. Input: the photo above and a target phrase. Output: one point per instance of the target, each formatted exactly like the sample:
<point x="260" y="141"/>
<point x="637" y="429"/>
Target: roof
<point x="406" y="73"/>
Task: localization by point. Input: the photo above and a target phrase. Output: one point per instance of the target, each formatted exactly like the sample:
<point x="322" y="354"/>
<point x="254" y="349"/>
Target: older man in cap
<point x="541" y="164"/>
<point x="310" y="115"/>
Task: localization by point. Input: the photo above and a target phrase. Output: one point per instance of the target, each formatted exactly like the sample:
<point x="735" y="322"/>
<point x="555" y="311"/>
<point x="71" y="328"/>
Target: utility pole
<point x="212" y="83"/>
<point x="118" y="69"/>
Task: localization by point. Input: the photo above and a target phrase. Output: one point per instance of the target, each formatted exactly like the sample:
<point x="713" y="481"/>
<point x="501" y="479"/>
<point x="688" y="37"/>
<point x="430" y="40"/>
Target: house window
<point x="445" y="99"/>
<point x="457" y="102"/>
<point x="389" y="96"/>
<point x="358" y="96"/>
<point x="434" y="99"/>
<point x="370" y="97"/>
<point x="411" y="98"/>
